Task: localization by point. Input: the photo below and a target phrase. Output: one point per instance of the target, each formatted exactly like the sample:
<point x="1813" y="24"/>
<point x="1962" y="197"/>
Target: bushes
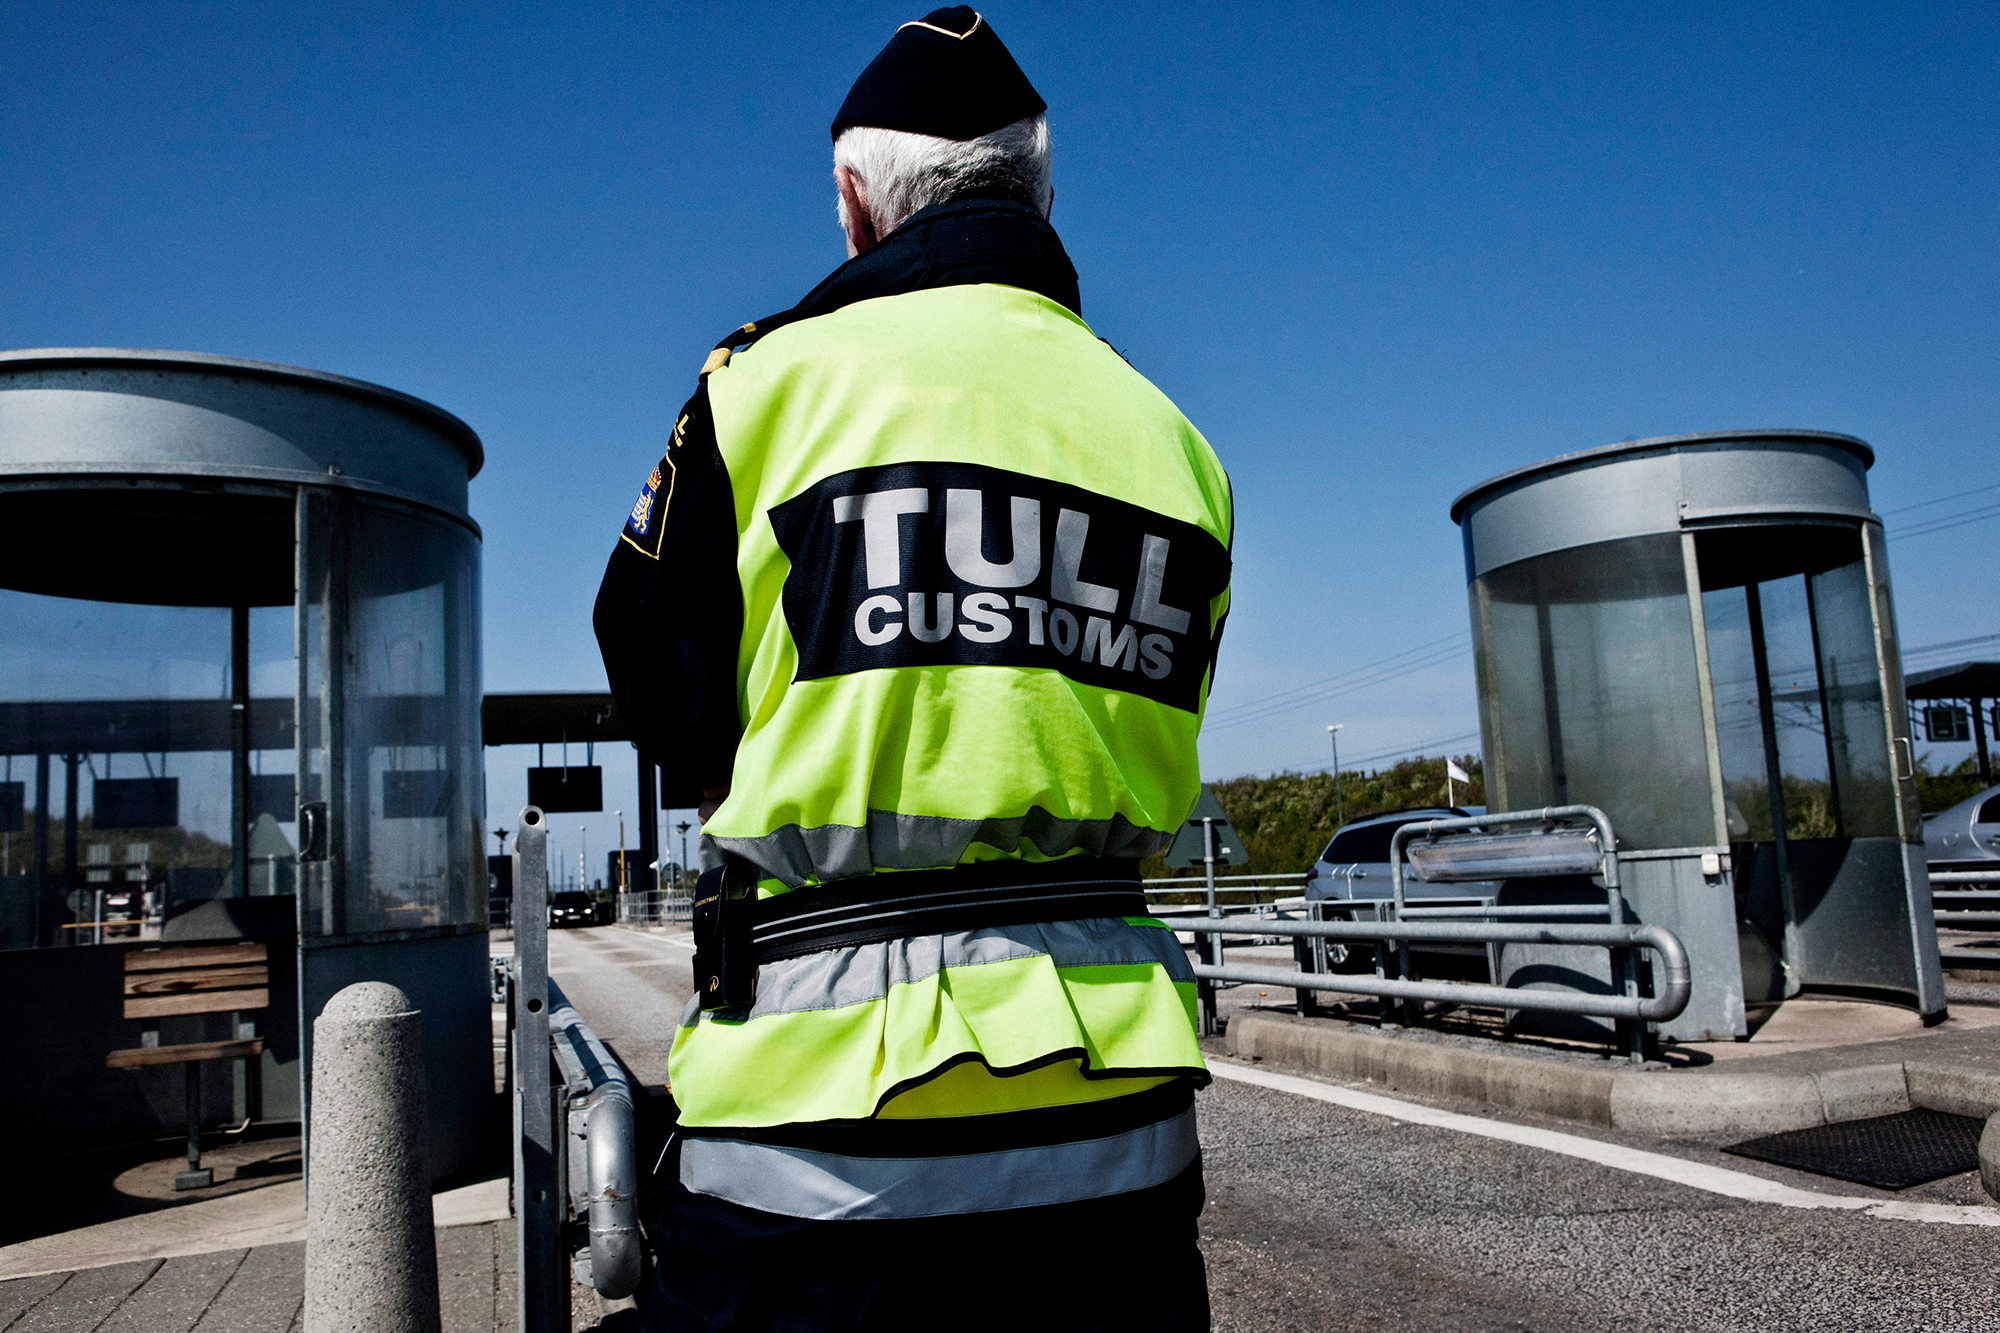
<point x="1284" y="820"/>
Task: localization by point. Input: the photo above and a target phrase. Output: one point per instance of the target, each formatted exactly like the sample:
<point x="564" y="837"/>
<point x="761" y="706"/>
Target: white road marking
<point x="1680" y="1171"/>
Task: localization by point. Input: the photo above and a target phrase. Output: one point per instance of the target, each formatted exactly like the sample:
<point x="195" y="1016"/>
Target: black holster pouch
<point x="725" y="970"/>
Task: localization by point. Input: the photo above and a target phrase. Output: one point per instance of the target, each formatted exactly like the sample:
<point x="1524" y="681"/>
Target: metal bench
<point x="193" y="979"/>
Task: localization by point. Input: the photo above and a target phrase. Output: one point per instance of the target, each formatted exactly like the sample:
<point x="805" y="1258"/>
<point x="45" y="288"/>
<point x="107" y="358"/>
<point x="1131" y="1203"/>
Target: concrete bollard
<point x="371" y="1256"/>
<point x="1989" y="1155"/>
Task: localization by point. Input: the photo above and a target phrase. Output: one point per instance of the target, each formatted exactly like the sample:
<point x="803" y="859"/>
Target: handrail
<point x="603" y="1132"/>
<point x="1623" y="971"/>
<point x="1675" y="980"/>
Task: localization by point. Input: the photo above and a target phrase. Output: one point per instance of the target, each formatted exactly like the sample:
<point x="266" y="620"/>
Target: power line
<point x="1419" y="748"/>
<point x="1950" y="646"/>
<point x="1298" y="692"/>
<point x="1942" y="499"/>
<point x="1350" y="683"/>
<point x="1946" y="522"/>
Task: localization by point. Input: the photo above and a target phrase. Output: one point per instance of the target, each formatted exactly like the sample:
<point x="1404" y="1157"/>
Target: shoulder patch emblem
<point x="642" y="529"/>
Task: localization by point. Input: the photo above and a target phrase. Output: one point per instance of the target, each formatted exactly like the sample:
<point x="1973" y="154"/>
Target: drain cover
<point x="1890" y="1152"/>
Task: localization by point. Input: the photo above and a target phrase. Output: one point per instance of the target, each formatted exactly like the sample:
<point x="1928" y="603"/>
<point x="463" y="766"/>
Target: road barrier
<point x="656" y="907"/>
<point x="601" y="1169"/>
<point x="1566" y="841"/>
<point x="575" y="1200"/>
<point x="371" y="1256"/>
<point x="1952" y="916"/>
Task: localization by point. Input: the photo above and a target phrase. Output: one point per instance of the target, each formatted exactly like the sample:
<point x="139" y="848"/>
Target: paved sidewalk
<point x="262" y="1290"/>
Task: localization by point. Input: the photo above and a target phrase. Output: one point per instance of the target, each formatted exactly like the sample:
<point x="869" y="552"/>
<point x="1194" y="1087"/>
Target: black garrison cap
<point x="947" y="75"/>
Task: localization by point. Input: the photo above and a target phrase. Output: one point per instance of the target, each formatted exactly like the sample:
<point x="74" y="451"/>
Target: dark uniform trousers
<point x="1125" y="1263"/>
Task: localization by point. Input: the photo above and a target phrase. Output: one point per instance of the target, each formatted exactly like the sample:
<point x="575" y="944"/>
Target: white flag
<point x="1455" y="773"/>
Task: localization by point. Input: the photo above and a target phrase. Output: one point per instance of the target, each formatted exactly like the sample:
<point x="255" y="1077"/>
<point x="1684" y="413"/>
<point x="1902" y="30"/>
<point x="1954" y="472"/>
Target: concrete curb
<point x="1661" y="1102"/>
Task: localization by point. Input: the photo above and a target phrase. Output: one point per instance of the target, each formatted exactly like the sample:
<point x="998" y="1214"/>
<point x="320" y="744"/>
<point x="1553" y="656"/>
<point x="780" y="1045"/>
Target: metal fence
<point x="576" y="1169"/>
<point x="1955" y="908"/>
<point x="1570" y="840"/>
<point x="656" y="907"/>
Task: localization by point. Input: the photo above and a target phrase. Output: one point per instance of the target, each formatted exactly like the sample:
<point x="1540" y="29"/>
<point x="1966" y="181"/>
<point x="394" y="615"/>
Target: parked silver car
<point x="1350" y="882"/>
<point x="1967" y="836"/>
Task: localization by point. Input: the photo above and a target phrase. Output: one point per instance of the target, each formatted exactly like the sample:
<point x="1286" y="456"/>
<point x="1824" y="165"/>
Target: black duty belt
<point x="735" y="932"/>
<point x="893" y="906"/>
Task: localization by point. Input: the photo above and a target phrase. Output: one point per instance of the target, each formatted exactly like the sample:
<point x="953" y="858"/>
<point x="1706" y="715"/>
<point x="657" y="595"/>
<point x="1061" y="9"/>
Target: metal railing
<point x="1959" y="918"/>
<point x="656" y="907"/>
<point x="601" y="1169"/>
<point x="1480" y="854"/>
<point x="565" y="1084"/>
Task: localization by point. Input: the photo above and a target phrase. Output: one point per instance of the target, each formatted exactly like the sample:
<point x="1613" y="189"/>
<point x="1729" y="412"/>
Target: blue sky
<point x="1376" y="251"/>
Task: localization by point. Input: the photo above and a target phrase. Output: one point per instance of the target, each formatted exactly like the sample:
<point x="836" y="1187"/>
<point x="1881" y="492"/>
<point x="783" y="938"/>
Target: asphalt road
<point x="1322" y="1216"/>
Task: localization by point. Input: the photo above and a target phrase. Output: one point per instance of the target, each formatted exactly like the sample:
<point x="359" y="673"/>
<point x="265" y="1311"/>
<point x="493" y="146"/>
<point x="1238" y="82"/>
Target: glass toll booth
<point x="239" y="701"/>
<point x="1695" y="633"/>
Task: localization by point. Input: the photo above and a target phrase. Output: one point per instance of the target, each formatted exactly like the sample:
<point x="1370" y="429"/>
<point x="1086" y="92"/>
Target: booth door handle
<point x="1906" y="768"/>
<point x="312" y="831"/>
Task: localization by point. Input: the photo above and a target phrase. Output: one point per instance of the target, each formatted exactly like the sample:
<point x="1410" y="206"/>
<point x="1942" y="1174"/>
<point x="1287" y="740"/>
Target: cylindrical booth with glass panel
<point x="239" y="723"/>
<point x="1695" y="633"/>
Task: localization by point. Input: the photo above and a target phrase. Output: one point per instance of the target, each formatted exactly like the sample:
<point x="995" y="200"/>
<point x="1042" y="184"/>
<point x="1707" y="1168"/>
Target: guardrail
<point x="565" y="1083"/>
<point x="1571" y="840"/>
<point x="655" y="907"/>
<point x="1673" y="980"/>
<point x="1960" y="918"/>
<point x="600" y="1170"/>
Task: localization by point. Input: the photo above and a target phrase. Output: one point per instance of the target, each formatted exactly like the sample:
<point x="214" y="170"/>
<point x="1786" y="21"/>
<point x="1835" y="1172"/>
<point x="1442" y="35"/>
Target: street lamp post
<point x="683" y="828"/>
<point x="1339" y="812"/>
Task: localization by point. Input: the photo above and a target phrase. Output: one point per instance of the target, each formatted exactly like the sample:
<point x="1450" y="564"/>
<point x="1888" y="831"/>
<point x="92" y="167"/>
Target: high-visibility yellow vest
<point x="984" y="565"/>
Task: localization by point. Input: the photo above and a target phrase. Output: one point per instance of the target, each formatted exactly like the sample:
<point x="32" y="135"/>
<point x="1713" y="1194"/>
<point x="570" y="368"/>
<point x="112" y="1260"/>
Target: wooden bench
<point x="194" y="979"/>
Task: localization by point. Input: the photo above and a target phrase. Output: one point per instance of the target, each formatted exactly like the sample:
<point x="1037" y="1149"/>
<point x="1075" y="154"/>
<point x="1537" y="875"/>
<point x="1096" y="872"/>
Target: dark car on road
<point x="572" y="907"/>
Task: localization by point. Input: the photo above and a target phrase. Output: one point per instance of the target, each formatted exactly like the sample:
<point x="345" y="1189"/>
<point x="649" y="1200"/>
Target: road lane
<point x="630" y="986"/>
<point x="1322" y="1215"/>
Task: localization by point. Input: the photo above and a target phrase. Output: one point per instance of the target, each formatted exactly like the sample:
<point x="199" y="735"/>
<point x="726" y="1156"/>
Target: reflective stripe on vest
<point x="917" y="842"/>
<point x="838" y="977"/>
<point x="796" y="1182"/>
<point x="836" y="1035"/>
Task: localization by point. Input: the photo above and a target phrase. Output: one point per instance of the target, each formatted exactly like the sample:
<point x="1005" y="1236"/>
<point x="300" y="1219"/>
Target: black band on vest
<point x="985" y="894"/>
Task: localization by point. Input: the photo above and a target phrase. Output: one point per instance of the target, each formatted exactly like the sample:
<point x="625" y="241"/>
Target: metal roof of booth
<point x="1604" y="452"/>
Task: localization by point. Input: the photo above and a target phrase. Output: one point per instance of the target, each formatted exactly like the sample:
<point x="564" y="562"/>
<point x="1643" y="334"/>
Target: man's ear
<point x="855" y="218"/>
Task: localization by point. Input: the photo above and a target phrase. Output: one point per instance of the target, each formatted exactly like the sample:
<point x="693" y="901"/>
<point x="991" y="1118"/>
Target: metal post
<point x="71" y="762"/>
<point x="194" y="1178"/>
<point x="649" y="824"/>
<point x="1339" y="810"/>
<point x="239" y="753"/>
<point x="543" y="1277"/>
<point x="40" y="873"/>
<point x="1979" y="738"/>
<point x="1211" y="947"/>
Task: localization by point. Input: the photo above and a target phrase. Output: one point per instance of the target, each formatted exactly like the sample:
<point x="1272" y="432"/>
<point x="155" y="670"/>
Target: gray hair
<point x="900" y="172"/>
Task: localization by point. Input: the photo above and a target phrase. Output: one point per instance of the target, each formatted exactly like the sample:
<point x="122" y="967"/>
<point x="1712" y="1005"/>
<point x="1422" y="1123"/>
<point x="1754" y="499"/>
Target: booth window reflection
<point x="1585" y="666"/>
<point x="403" y="634"/>
<point x="149" y="701"/>
<point x="1798" y="696"/>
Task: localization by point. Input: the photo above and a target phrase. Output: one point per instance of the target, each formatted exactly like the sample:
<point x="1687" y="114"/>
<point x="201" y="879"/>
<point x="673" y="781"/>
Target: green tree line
<point x="1284" y="820"/>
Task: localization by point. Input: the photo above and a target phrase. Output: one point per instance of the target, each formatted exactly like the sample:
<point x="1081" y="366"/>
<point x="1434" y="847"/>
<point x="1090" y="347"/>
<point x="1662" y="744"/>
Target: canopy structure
<point x="585" y="718"/>
<point x="1974" y="682"/>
